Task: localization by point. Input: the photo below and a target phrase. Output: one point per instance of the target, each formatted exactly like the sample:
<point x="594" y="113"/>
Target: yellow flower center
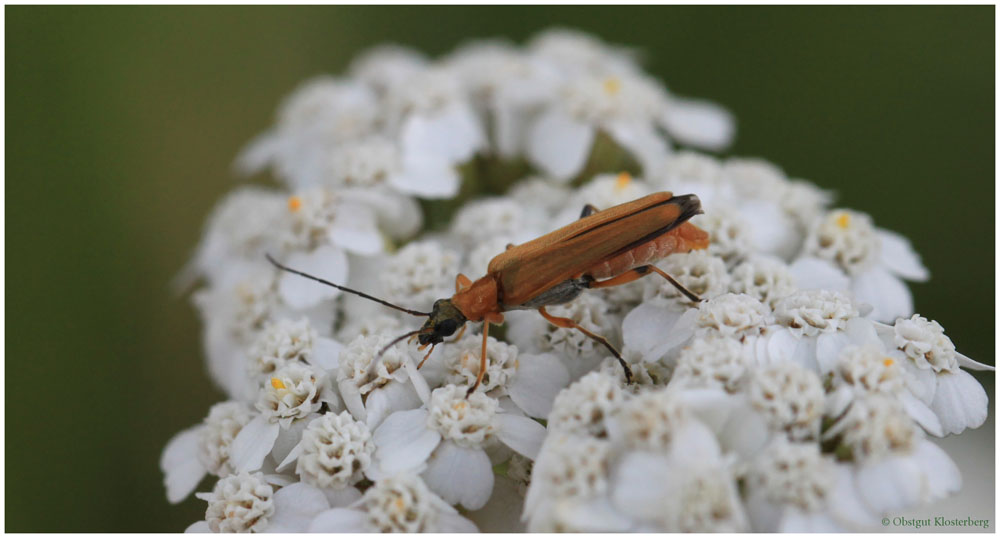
<point x="624" y="179"/>
<point x="277" y="383"/>
<point x="612" y="86"/>
<point x="844" y="220"/>
<point x="294" y="203"/>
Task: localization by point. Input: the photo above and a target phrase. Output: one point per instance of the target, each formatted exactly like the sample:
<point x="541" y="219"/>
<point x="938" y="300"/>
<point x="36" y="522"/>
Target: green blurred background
<point x="122" y="123"/>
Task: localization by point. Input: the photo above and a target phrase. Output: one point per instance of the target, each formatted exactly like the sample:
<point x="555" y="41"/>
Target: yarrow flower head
<point x="779" y="379"/>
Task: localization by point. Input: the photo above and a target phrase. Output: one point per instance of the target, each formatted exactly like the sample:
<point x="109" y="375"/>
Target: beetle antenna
<point x="342" y="288"/>
<point x="396" y="341"/>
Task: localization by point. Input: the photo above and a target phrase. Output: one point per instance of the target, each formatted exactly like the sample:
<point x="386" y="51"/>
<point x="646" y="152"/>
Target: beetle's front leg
<point x="567" y="323"/>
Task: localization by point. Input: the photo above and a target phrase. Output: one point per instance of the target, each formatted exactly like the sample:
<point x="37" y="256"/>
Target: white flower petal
<point x="959" y="401"/>
<point x="326" y="353"/>
<point x="845" y="504"/>
<point x="890" y="485"/>
<point x="290" y="457"/>
<point x="417" y="380"/>
<point x="596" y="515"/>
<point x="943" y="476"/>
<point x="452" y="134"/>
<point x="295" y="506"/>
<point x="354" y="230"/>
<point x="698" y="123"/>
<point x="198" y="527"/>
<point x="898" y="255"/>
<point x="392" y="397"/>
<point x="888" y="295"/>
<point x="921" y="414"/>
<point x="339" y="520"/>
<point x="325" y="262"/>
<point x="814" y="273"/>
<point x="559" y="144"/>
<point x="403" y="441"/>
<point x="352" y="400"/>
<point x="641" y="140"/>
<point x="642" y="484"/>
<point x="537" y="381"/>
<point x="427" y="176"/>
<point x="460" y="475"/>
<point x="966" y="362"/>
<point x="521" y="433"/>
<point x="290" y="437"/>
<point x="341" y="497"/>
<point x="503" y="511"/>
<point x="253" y="444"/>
<point x="828" y="347"/>
<point x="182" y="470"/>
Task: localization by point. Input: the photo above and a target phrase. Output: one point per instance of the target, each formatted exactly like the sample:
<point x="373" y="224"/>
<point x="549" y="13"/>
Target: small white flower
<point x="319" y="116"/>
<point x="241" y="227"/>
<point x="222" y="425"/>
<point x="958" y="400"/>
<point x="438" y="129"/>
<point x="764" y="278"/>
<point x="793" y="487"/>
<point x="698" y="271"/>
<point x="875" y="260"/>
<point x="402" y="503"/>
<point x="729" y="233"/>
<point x="246" y="503"/>
<point x="446" y="440"/>
<point x="294" y="392"/>
<point x="373" y="388"/>
<point x="419" y="274"/>
<point x="690" y="488"/>
<point x="711" y="362"/>
<point x="291" y="341"/>
<point x="488" y="218"/>
<point x="239" y="503"/>
<point x="883" y="441"/>
<point x="812" y="327"/>
<point x="734" y="315"/>
<point x="202" y="449"/>
<point x="570" y="485"/>
<point x="587" y="405"/>
<point x="335" y="451"/>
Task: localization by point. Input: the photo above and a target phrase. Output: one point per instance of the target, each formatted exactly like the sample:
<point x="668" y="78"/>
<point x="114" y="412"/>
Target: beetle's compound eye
<point x="447" y="327"/>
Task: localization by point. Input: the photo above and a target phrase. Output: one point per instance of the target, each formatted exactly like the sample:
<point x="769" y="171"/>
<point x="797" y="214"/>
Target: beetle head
<point x="444" y="320"/>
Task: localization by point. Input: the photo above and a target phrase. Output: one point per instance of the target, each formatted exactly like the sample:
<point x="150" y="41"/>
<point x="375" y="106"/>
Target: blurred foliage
<point x="122" y="123"/>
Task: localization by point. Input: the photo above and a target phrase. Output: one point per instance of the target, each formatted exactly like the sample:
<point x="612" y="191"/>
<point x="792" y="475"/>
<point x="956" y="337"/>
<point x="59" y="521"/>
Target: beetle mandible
<point x="602" y="249"/>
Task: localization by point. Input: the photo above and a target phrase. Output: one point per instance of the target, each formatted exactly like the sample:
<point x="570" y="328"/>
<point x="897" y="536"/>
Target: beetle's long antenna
<point x="396" y="341"/>
<point x="342" y="288"/>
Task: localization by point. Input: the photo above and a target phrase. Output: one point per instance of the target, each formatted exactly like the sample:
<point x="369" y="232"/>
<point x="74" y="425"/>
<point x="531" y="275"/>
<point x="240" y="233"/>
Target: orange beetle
<point x="601" y="249"/>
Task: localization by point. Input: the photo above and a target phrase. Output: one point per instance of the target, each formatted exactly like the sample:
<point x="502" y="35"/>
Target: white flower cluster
<point x="801" y="394"/>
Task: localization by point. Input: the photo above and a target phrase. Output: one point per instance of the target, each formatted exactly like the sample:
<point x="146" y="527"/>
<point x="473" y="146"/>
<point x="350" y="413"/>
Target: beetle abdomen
<point x="684" y="238"/>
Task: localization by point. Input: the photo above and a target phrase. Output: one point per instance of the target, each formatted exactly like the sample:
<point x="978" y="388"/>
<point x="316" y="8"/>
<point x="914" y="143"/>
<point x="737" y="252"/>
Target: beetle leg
<point x="567" y="323"/>
<point x="482" y="361"/>
<point x="460" y="333"/>
<point x="427" y="356"/>
<point x="588" y="210"/>
<point x="496" y="318"/>
<point x="639" y="272"/>
<point x="462" y="282"/>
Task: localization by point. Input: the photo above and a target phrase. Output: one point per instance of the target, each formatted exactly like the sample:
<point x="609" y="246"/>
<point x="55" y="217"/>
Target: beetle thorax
<point x="479" y="299"/>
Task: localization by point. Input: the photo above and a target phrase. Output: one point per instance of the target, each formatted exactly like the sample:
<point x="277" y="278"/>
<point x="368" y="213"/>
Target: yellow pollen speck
<point x="458" y="406"/>
<point x="844" y="220"/>
<point x="624" y="178"/>
<point x="276" y="383"/>
<point x="612" y="86"/>
<point x="294" y="203"/>
<point x="887" y="362"/>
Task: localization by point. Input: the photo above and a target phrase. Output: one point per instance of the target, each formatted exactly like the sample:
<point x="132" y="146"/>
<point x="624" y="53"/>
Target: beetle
<point x="602" y="249"/>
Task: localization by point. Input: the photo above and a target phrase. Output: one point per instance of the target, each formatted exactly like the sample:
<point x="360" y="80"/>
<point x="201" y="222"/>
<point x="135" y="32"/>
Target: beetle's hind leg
<point x="639" y="272"/>
<point x="567" y="323"/>
<point x="588" y="210"/>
